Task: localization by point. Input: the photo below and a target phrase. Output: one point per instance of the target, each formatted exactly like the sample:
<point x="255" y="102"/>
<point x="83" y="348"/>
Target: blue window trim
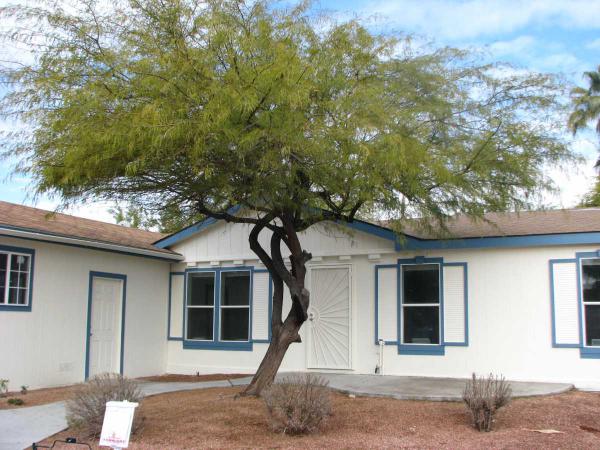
<point x="31" y="253"/>
<point x="584" y="352"/>
<point x="379" y="267"/>
<point x="116" y="276"/>
<point x="420" y="349"/>
<point x="465" y="267"/>
<point x="216" y="343"/>
<point x="551" y="265"/>
<point x="169" y="337"/>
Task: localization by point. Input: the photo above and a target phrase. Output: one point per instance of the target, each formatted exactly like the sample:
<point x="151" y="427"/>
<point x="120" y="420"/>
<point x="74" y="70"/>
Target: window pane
<point x="201" y="289"/>
<point x="17" y="296"/>
<point x="3" y="263"/>
<point x="592" y="325"/>
<point x="18" y="279"/>
<point x="234" y="324"/>
<point x="20" y="263"/>
<point x="421" y="324"/>
<point x="590" y="275"/>
<point x="200" y="323"/>
<point x="421" y="283"/>
<point x="235" y="288"/>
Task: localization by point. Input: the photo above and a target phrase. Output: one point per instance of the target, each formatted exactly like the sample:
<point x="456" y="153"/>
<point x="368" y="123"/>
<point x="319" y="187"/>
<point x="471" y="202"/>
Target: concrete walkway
<point x="19" y="428"/>
<point x="424" y="388"/>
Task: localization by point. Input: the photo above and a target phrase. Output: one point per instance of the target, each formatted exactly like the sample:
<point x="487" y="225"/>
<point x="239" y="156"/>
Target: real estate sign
<point x="116" y="427"/>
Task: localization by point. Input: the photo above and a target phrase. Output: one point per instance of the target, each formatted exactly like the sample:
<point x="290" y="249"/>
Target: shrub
<point x="484" y="396"/>
<point x="85" y="410"/>
<point x="3" y="387"/>
<point x="24" y="389"/>
<point x="15" y="401"/>
<point x="298" y="404"/>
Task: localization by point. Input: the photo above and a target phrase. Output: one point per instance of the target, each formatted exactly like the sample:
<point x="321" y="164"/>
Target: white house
<point x="518" y="295"/>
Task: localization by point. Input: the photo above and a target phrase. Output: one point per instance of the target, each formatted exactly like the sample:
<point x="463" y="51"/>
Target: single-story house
<point x="517" y="295"/>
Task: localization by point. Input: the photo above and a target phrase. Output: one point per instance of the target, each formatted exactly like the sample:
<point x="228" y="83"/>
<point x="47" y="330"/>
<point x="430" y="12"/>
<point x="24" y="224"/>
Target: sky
<point x="557" y="36"/>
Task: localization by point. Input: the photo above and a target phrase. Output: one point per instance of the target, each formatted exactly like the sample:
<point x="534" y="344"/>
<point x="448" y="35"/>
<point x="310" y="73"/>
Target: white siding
<point x="260" y="306"/>
<point x="176" y="325"/>
<point x="454" y="304"/>
<point x="388" y="304"/>
<point x="566" y="309"/>
<point x="46" y="347"/>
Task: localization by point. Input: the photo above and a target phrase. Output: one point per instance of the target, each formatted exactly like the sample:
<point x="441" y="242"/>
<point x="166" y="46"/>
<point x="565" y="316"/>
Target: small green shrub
<point x="484" y="396"/>
<point x="15" y="401"/>
<point x="298" y="404"/>
<point x="3" y="387"/>
<point x="24" y="389"/>
<point x="85" y="411"/>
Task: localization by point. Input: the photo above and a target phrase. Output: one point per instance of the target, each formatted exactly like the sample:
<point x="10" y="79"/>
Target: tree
<point x="168" y="220"/>
<point x="586" y="109"/>
<point x="291" y="117"/>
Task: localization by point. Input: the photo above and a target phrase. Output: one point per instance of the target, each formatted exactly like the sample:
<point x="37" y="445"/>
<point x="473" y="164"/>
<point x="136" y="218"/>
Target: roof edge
<point x="38" y="235"/>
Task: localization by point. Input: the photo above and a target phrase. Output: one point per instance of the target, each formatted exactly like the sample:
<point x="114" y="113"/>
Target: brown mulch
<point x="212" y="418"/>
<point x="43" y="396"/>
<point x="195" y="378"/>
<point x="37" y="397"/>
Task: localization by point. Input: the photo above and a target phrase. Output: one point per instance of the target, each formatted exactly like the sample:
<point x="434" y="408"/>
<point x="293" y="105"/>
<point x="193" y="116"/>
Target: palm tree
<point x="586" y="103"/>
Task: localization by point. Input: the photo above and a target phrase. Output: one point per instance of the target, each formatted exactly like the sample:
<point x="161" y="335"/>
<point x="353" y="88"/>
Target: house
<point x="518" y="295"/>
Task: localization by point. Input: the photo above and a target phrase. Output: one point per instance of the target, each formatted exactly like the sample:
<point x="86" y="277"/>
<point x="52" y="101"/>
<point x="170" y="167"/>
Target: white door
<point x="329" y="335"/>
<point x="105" y="327"/>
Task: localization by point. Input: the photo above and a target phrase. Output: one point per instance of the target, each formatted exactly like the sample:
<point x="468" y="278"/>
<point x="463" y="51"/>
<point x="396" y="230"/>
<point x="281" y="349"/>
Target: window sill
<point x="421" y="349"/>
<point x="24" y="308"/>
<point x="212" y="345"/>
<point x="590" y="352"/>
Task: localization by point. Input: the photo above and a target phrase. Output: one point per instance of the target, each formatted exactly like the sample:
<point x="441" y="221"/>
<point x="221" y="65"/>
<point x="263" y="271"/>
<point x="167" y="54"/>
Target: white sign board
<point x="116" y="427"/>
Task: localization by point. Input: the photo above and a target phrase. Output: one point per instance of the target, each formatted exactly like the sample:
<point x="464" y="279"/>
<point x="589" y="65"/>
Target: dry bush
<point x="298" y="404"/>
<point x="484" y="396"/>
<point x="85" y="411"/>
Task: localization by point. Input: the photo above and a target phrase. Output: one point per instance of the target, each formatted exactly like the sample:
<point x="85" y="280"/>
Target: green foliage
<point x="3" y="387"/>
<point x="168" y="220"/>
<point x="586" y="103"/>
<point x="195" y="109"/>
<point x="15" y="401"/>
<point x="24" y="389"/>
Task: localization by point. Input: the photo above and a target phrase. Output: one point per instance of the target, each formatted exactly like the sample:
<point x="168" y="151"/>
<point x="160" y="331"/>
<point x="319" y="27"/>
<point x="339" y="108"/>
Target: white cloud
<point x="593" y="45"/>
<point x="520" y="45"/>
<point x="469" y="19"/>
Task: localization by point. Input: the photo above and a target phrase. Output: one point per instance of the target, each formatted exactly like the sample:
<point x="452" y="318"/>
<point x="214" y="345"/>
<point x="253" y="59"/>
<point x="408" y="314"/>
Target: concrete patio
<point x="423" y="388"/>
<point x="20" y="427"/>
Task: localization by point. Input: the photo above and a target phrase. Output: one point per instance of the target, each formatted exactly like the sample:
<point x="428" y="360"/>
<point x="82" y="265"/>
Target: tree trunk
<point x="283" y="333"/>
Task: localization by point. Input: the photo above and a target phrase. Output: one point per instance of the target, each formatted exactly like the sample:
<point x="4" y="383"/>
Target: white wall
<point x="46" y="347"/>
<point x="509" y="311"/>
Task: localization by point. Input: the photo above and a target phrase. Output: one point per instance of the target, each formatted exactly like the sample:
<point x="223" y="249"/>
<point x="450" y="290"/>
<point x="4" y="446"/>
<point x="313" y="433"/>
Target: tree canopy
<point x="284" y="112"/>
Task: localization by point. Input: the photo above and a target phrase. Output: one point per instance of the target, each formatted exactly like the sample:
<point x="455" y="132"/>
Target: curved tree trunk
<point x="283" y="333"/>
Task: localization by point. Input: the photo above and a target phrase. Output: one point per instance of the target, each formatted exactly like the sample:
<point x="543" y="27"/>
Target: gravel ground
<point x="212" y="418"/>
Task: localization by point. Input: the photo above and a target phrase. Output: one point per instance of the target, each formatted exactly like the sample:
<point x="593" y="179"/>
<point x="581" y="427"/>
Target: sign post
<point x="116" y="428"/>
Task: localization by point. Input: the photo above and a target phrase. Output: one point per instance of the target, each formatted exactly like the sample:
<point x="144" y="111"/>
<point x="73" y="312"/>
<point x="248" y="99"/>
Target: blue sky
<point x="558" y="36"/>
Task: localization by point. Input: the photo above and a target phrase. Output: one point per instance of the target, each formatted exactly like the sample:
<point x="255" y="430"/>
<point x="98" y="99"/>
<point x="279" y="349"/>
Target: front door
<point x="329" y="335"/>
<point x="105" y="325"/>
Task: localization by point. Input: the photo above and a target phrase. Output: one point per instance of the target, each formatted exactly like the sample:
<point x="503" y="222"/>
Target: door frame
<point x="333" y="265"/>
<point x="114" y="276"/>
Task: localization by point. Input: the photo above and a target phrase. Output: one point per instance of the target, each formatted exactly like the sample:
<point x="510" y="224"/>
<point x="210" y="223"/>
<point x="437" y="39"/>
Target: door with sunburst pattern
<point x="329" y="338"/>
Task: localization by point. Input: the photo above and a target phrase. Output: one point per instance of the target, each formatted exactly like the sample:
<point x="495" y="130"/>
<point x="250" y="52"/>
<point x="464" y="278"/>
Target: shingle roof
<point x="524" y="223"/>
<point x="58" y="224"/>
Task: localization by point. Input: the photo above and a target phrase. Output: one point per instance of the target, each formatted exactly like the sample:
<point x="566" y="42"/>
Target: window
<point x="15" y="272"/>
<point x="421" y="304"/>
<point x="218" y="307"/>
<point x="235" y="305"/>
<point x="590" y="286"/>
<point x="201" y="306"/>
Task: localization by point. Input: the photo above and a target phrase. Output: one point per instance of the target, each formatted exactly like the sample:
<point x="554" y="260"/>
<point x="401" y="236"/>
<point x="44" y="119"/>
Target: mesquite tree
<point x="293" y="117"/>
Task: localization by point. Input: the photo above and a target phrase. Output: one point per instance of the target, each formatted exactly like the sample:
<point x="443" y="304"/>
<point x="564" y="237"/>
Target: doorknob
<point x="311" y="316"/>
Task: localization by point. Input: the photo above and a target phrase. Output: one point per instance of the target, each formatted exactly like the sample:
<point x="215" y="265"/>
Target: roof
<point x="26" y="218"/>
<point x="524" y="223"/>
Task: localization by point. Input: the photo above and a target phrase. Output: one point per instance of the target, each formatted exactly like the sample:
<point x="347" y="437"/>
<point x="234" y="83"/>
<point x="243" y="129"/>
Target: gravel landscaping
<point x="212" y="418"/>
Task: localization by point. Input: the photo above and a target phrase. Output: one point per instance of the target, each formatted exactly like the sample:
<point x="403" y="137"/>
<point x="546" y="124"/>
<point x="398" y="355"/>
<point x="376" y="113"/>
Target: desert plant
<point x="484" y="396"/>
<point x="3" y="387"/>
<point x="298" y="404"/>
<point x="85" y="411"/>
<point x="15" y="401"/>
<point x="24" y="389"/>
